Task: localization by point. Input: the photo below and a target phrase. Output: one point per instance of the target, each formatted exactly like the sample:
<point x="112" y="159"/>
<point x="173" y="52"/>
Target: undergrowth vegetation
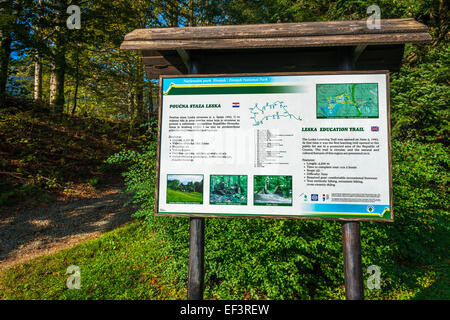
<point x="291" y="259"/>
<point x="42" y="155"/>
<point x="119" y="265"/>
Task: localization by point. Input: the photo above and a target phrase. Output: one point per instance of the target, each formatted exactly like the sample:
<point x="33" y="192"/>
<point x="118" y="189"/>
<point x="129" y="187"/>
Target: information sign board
<point x="311" y="145"/>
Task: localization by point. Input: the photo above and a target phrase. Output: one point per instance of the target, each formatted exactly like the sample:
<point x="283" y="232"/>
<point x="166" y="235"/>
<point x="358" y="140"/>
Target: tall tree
<point x="37" y="78"/>
<point x="37" y="62"/>
<point x="58" y="69"/>
<point x="7" y="20"/>
<point x="5" y="53"/>
<point x="14" y="33"/>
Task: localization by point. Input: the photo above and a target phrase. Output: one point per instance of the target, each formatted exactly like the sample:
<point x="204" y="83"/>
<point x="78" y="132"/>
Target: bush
<point x="298" y="259"/>
<point x="420" y="95"/>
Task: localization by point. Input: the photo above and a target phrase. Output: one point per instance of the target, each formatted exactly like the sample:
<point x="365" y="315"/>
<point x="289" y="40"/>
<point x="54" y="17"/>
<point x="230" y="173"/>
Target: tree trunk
<point x="38" y="68"/>
<point x="140" y="103"/>
<point x="59" y="70"/>
<point x="57" y="87"/>
<point x="77" y="81"/>
<point x="131" y="112"/>
<point x="52" y="88"/>
<point x="75" y="98"/>
<point x="5" y="55"/>
<point x="139" y="89"/>
<point x="37" y="78"/>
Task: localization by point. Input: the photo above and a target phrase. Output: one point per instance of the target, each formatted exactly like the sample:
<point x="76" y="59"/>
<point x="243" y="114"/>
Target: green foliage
<point x="190" y="186"/>
<point x="140" y="178"/>
<point x="292" y="259"/>
<point x="276" y="11"/>
<point x="245" y="258"/>
<point x="420" y="96"/>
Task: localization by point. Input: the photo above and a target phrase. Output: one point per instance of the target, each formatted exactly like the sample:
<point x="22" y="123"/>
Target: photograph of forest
<point x="272" y="191"/>
<point x="183" y="188"/>
<point x="228" y="189"/>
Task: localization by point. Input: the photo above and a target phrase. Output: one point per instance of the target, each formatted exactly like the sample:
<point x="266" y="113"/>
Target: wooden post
<point x="196" y="258"/>
<point x="351" y="239"/>
<point x="352" y="261"/>
<point x="196" y="242"/>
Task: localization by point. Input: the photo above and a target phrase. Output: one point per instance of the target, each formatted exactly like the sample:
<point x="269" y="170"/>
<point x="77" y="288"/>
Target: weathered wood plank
<point x="154" y="72"/>
<point x="155" y="60"/>
<point x="171" y="58"/>
<point x="287" y="60"/>
<point x="351" y="246"/>
<point x="257" y="61"/>
<point x="232" y="49"/>
<point x="294" y="59"/>
<point x="352" y="27"/>
<point x="151" y="53"/>
<point x="310" y="41"/>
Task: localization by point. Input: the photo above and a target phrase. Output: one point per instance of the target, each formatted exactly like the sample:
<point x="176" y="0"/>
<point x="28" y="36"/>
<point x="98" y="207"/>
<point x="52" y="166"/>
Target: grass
<point x="122" y="264"/>
<point x="187" y="197"/>
<point x="128" y="263"/>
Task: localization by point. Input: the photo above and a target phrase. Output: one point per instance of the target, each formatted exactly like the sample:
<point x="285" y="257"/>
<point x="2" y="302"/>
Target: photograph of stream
<point x="272" y="191"/>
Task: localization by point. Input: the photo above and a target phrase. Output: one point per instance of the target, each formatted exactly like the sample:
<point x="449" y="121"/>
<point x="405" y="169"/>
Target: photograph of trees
<point x="183" y="188"/>
<point x="225" y="189"/>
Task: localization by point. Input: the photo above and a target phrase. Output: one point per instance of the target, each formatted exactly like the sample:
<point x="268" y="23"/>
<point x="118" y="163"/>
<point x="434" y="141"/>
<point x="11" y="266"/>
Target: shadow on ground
<point x="31" y="233"/>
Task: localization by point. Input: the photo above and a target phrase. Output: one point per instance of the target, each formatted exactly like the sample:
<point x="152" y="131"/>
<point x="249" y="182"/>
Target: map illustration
<point x="274" y="111"/>
<point x="347" y="100"/>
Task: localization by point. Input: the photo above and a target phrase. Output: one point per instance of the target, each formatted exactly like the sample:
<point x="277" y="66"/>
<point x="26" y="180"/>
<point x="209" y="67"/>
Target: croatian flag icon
<point x="236" y="104"/>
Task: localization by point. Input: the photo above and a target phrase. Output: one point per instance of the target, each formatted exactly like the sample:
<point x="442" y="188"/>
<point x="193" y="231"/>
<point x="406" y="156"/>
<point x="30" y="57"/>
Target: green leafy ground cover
<point x="180" y="196"/>
<point x="127" y="263"/>
<point x="254" y="258"/>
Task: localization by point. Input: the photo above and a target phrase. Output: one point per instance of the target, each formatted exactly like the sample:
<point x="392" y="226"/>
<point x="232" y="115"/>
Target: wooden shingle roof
<point x="166" y="50"/>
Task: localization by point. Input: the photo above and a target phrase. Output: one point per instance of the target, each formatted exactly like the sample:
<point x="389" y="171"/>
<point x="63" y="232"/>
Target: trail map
<point x="347" y="100"/>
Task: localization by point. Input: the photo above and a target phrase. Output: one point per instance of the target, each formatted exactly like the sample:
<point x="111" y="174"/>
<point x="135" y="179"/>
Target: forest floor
<point x="62" y="205"/>
<point x="28" y="233"/>
<point x="55" y="189"/>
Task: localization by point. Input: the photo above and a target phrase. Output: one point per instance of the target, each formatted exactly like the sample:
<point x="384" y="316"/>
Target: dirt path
<point x="25" y="234"/>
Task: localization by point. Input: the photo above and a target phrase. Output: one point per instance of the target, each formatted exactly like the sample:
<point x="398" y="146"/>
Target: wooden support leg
<point x="351" y="238"/>
<point x="196" y="240"/>
<point x="196" y="259"/>
<point x="352" y="261"/>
